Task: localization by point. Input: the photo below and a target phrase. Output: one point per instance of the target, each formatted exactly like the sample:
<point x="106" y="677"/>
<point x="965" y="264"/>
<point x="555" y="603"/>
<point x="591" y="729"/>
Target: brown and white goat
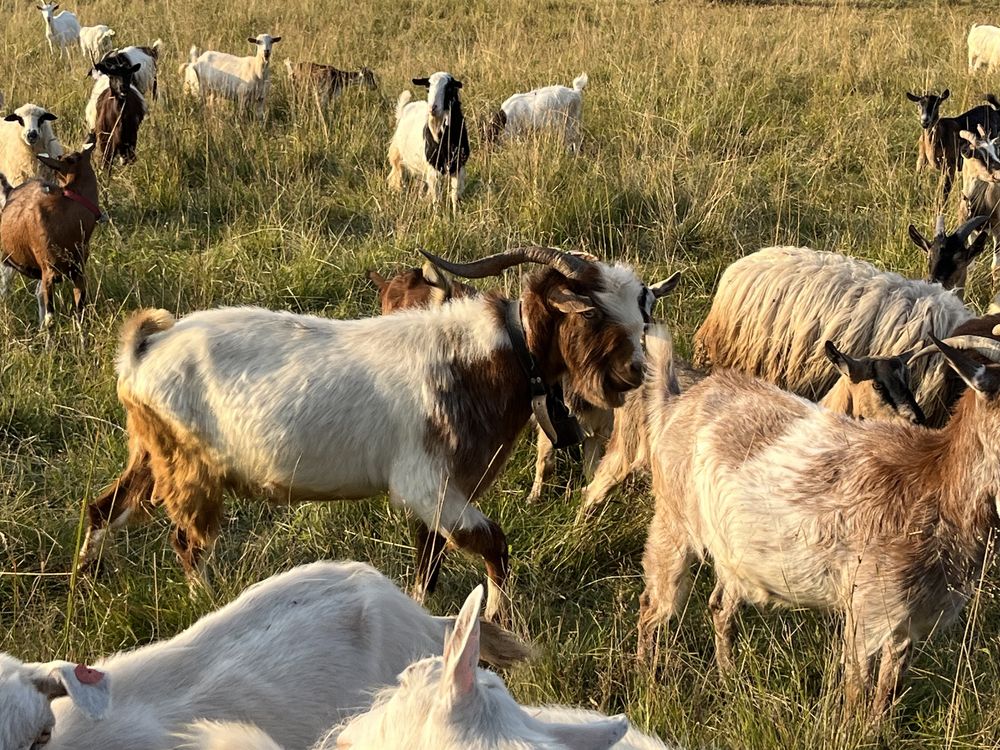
<point x="425" y="404"/>
<point x="45" y="228"/>
<point x="981" y="188"/>
<point x="120" y="110"/>
<point x="940" y="143"/>
<point x="418" y="287"/>
<point x="327" y="82"/>
<point x="886" y="523"/>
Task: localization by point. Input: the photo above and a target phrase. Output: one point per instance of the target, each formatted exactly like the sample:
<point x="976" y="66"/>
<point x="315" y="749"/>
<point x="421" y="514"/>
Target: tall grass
<point x="711" y="130"/>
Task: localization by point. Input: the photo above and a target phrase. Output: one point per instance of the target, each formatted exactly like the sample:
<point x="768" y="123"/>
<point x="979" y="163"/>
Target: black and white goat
<point x="431" y="139"/>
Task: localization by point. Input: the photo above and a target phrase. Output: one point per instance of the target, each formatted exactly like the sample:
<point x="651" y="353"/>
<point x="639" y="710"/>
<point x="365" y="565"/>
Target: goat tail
<point x="193" y="53"/>
<point x="580" y="82"/>
<point x="401" y="102"/>
<point x="156" y="47"/>
<point x="216" y="735"/>
<point x="661" y="380"/>
<point x="377" y="279"/>
<point x="134" y="334"/>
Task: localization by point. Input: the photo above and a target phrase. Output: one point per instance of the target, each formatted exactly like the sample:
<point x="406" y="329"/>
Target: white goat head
<point x="32" y="119"/>
<point x="48" y="10"/>
<point x="442" y="93"/>
<point x="27" y="691"/>
<point x="448" y="703"/>
<point x="264" y="43"/>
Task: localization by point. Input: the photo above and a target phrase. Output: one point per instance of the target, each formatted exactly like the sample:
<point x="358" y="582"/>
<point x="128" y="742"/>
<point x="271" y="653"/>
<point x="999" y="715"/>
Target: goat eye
<point x="589" y="314"/>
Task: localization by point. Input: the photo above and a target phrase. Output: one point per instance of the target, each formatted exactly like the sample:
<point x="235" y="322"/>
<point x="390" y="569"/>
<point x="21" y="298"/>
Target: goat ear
<point x="425" y="82"/>
<point x="14" y="118"/>
<point x="48" y="117"/>
<point x="912" y="97"/>
<point x="135" y="68"/>
<point x="845" y="364"/>
<point x="592" y="735"/>
<point x="252" y="40"/>
<point x="945" y="94"/>
<point x="461" y="648"/>
<point x="89" y="689"/>
<point x="436" y="278"/>
<point x="663" y="288"/>
<point x="976" y="375"/>
<point x="565" y="301"/>
<point x="275" y="39"/>
<point x="918" y="239"/>
<point x="52" y="163"/>
<point x="456" y="83"/>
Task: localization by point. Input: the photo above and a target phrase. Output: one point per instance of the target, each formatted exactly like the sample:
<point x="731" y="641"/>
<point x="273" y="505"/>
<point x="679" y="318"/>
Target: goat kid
<point x="327" y="82"/>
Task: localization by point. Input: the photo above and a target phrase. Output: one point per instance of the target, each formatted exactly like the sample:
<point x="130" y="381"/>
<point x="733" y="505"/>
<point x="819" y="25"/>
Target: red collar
<point x="85" y="202"/>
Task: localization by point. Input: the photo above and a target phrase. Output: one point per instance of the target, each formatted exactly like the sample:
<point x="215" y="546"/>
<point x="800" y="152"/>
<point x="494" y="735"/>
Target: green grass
<point x="711" y="131"/>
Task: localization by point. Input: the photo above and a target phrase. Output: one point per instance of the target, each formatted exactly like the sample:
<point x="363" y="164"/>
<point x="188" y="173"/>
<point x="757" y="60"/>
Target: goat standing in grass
<point x="886" y="523"/>
<point x="554" y="108"/>
<point x="245" y="80"/>
<point x="61" y="29"/>
<point x="118" y="110"/>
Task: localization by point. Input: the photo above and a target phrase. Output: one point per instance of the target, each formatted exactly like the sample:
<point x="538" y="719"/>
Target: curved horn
<point x="989" y="348"/>
<point x="570" y="266"/>
<point x="969" y="227"/>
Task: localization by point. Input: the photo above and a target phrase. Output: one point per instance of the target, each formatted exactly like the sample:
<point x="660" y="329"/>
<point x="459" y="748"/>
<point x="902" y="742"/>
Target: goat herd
<point x="878" y="502"/>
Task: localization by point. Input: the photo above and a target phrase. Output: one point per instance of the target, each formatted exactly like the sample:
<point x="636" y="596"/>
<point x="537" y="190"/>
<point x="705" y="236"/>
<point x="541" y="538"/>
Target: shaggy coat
<point x="24" y="134"/>
<point x="449" y="703"/>
<point x="431" y="140"/>
<point x="296" y="653"/>
<point x="775" y="308"/>
<point x="45" y="229"/>
<point x="426" y="404"/>
<point x="327" y="82"/>
<point x="984" y="47"/>
<point x="885" y="522"/>
<point x="245" y="80"/>
<point x="558" y="109"/>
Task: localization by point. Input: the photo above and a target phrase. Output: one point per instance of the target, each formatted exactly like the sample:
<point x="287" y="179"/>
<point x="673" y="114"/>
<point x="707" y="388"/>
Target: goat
<point x="448" y="703"/>
<point x="62" y="28"/>
<point x="118" y="110"/>
<point x="984" y="47"/>
<point x="245" y="80"/>
<point x="556" y="108"/>
<point x="981" y="189"/>
<point x="948" y="256"/>
<point x="298" y="652"/>
<point x="146" y="58"/>
<point x="96" y="41"/>
<point x="426" y="404"/>
<point x="774" y="309"/>
<point x="940" y="143"/>
<point x="888" y="523"/>
<point x="45" y="229"/>
<point x="326" y="81"/>
<point x="418" y="287"/>
<point x="24" y="134"/>
<point x="431" y="139"/>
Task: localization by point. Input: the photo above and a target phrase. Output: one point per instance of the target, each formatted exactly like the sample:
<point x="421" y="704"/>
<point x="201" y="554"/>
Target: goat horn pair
<point x="967" y="228"/>
<point x="989" y="348"/>
<point x="570" y="266"/>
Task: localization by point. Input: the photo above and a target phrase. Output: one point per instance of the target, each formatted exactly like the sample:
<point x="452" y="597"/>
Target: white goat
<point x="96" y="41"/>
<point x="885" y="522"/>
<point x="62" y="28"/>
<point x="24" y="134"/>
<point x="426" y="404"/>
<point x="431" y="140"/>
<point x="449" y="703"/>
<point x="556" y="108"/>
<point x="298" y="652"/>
<point x="775" y="308"/>
<point x="984" y="47"/>
<point x="245" y="80"/>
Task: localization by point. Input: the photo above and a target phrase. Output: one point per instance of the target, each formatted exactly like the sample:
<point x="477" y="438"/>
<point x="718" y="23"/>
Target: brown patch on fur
<point x="491" y="544"/>
<point x="117" y="126"/>
<point x="410" y="289"/>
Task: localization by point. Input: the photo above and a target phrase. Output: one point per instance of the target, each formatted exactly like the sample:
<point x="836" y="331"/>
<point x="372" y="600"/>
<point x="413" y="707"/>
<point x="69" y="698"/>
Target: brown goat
<point x="120" y="111"/>
<point x="45" y="228"/>
<point x="326" y="81"/>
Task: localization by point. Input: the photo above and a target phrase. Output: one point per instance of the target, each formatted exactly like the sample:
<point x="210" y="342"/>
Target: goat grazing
<point x="940" y="142"/>
<point x="61" y="29"/>
<point x="555" y="108"/>
<point x="96" y="41"/>
<point x="24" y="134"/>
<point x="426" y="404"/>
<point x="117" y="109"/>
<point x="299" y="652"/>
<point x="431" y="140"/>
<point x="245" y="80"/>
<point x="886" y="523"/>
<point x="449" y="703"/>
<point x="775" y="308"/>
<point x="984" y="47"/>
<point x="327" y="82"/>
<point x="45" y="229"/>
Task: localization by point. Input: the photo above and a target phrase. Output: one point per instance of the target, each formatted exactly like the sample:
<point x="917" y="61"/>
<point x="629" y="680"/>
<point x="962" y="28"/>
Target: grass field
<point x="711" y="131"/>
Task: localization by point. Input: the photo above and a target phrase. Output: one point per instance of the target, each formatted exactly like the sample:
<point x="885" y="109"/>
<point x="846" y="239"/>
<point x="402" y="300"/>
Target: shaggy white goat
<point x="62" y="28"/>
<point x="298" y="652"/>
<point x="775" y="308"/>
<point x="984" y="47"/>
<point x="887" y="523"/>
<point x="24" y="134"/>
<point x="245" y="80"/>
<point x="556" y="108"/>
<point x="96" y="41"/>
<point x="449" y="703"/>
<point x="431" y="140"/>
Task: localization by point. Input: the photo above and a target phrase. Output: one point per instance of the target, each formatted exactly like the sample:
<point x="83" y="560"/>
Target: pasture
<point x="709" y="131"/>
